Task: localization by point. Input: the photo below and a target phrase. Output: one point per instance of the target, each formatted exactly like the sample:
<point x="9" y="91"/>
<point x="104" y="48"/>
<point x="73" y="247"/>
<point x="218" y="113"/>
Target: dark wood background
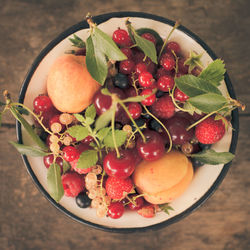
<point x="29" y="221"/>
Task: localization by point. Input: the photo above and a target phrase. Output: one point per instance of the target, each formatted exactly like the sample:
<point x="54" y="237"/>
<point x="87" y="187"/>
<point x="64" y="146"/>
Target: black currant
<point x="154" y="125"/>
<point x="139" y="122"/>
<point x="159" y="94"/>
<point x="82" y="200"/>
<point x="121" y="81"/>
<point x="196" y="163"/>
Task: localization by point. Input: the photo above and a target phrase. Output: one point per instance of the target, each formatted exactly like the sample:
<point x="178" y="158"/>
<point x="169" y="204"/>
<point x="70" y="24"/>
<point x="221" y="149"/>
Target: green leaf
<point x="22" y="110"/>
<point x="28" y="150"/>
<point x="77" y="41"/>
<point x="87" y="159"/>
<point x="66" y="166"/>
<point x="165" y="208"/>
<point x="120" y="137"/>
<point x="54" y="182"/>
<point x="108" y="47"/>
<point x="141" y="31"/>
<point x="104" y="119"/>
<point x="193" y="86"/>
<point x="213" y="158"/>
<point x="134" y="99"/>
<point x="193" y="61"/>
<point x="102" y="133"/>
<point x="96" y="61"/>
<point x="78" y="131"/>
<point x="79" y="117"/>
<point x="214" y="72"/>
<point x="208" y="102"/>
<point x="89" y="121"/>
<point x="90" y="112"/>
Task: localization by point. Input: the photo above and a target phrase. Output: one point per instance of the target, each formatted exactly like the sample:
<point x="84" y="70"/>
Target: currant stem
<point x="171" y="93"/>
<point x="113" y="134"/>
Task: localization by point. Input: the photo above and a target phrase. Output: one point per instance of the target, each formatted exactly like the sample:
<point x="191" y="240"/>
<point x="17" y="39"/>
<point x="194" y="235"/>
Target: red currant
<point x="115" y="210"/>
<point x="126" y="67"/>
<point x="70" y="153"/>
<point x="165" y="83"/>
<point x="149" y="37"/>
<point x="134" y="109"/>
<point x="149" y="100"/>
<point x="179" y="95"/>
<point x="167" y="62"/>
<point x="137" y="203"/>
<point x="173" y="46"/>
<point x="42" y="103"/>
<point x="146" y="79"/>
<point x="122" y="38"/>
<point x="161" y="72"/>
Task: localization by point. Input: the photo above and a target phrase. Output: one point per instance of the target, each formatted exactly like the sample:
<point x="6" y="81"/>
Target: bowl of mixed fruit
<point x="126" y="121"/>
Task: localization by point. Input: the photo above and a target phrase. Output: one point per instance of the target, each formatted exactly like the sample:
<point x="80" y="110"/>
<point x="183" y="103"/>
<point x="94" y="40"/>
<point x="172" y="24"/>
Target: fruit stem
<point x="133" y="121"/>
<point x="169" y="136"/>
<point x="171" y="93"/>
<point x="177" y="24"/>
<point x="113" y="134"/>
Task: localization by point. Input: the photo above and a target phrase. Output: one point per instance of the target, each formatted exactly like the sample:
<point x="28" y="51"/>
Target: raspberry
<point x="210" y="130"/>
<point x="73" y="184"/>
<point x="163" y="107"/>
<point x="118" y="188"/>
<point x="147" y="211"/>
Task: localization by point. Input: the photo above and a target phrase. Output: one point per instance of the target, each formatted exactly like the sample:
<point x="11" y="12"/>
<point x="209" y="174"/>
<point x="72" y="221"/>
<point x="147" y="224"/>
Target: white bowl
<point x="206" y="178"/>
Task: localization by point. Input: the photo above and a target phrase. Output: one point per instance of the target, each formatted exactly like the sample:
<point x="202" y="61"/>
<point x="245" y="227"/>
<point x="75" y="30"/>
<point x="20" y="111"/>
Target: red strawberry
<point x="147" y="211"/>
<point x="210" y="130"/>
<point x="118" y="188"/>
<point x="163" y="107"/>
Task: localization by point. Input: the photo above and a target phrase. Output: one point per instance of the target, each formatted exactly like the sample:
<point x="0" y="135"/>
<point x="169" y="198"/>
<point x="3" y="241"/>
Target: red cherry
<point x="121" y="167"/>
<point x="115" y="210"/>
<point x="127" y="52"/>
<point x="126" y="67"/>
<point x="181" y="66"/>
<point x="146" y="79"/>
<point x="179" y="95"/>
<point x="167" y="62"/>
<point x="153" y="148"/>
<point x="138" y="202"/>
<point x="149" y="100"/>
<point x="49" y="159"/>
<point x="173" y="46"/>
<point x="149" y="37"/>
<point x="165" y="83"/>
<point x="42" y="103"/>
<point x="161" y="72"/>
<point x="140" y="67"/>
<point x="87" y="140"/>
<point x="122" y="38"/>
<point x="134" y="109"/>
<point x="70" y="153"/>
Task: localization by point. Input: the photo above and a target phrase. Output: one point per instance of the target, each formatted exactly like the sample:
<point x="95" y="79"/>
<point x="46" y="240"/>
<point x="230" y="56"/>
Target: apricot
<point x="69" y="84"/>
<point x="163" y="180"/>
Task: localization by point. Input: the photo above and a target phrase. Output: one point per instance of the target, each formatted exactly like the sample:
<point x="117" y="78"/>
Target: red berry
<point x="161" y="72"/>
<point x="149" y="100"/>
<point x="118" y="188"/>
<point x="131" y="92"/>
<point x="173" y="46"/>
<point x="210" y="130"/>
<point x="137" y="203"/>
<point x="121" y="167"/>
<point x="73" y="184"/>
<point x="181" y="66"/>
<point x="122" y="38"/>
<point x="167" y="62"/>
<point x="146" y="79"/>
<point x="140" y="67"/>
<point x="165" y="83"/>
<point x="115" y="210"/>
<point x="42" y="103"/>
<point x="126" y="67"/>
<point x="70" y="153"/>
<point x="164" y="107"/>
<point x="138" y="55"/>
<point x="179" y="95"/>
<point x="127" y="52"/>
<point x="147" y="211"/>
<point x="49" y="159"/>
<point x="87" y="140"/>
<point x="134" y="109"/>
<point x="149" y="37"/>
<point x="153" y="148"/>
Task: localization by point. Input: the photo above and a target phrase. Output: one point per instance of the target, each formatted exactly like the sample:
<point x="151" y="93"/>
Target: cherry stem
<point x="113" y="133"/>
<point x="171" y="93"/>
<point x="169" y="136"/>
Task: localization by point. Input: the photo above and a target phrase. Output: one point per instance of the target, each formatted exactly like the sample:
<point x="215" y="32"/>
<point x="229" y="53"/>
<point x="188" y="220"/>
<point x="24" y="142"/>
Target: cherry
<point x="121" y="167"/>
<point x="149" y="37"/>
<point x="134" y="109"/>
<point x="149" y="100"/>
<point x="181" y="66"/>
<point x="173" y="46"/>
<point x="87" y="140"/>
<point x="127" y="52"/>
<point x="122" y="38"/>
<point x="42" y="103"/>
<point x="138" y="55"/>
<point x="179" y="95"/>
<point x="140" y="67"/>
<point x="165" y="83"/>
<point x="70" y="153"/>
<point x="115" y="210"/>
<point x="161" y="72"/>
<point x="145" y="79"/>
<point x="137" y="203"/>
<point x="167" y="62"/>
<point x="126" y="67"/>
<point x="130" y="92"/>
<point x="153" y="148"/>
<point x="49" y="159"/>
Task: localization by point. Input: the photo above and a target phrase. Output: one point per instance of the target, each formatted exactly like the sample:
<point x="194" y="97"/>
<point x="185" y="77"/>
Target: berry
<point x="102" y="102"/>
<point x="55" y="125"/>
<point x="73" y="184"/>
<point x="127" y="52"/>
<point x="118" y="188"/>
<point x="121" y="167"/>
<point x="130" y="92"/>
<point x="165" y="83"/>
<point x="153" y="148"/>
<point x="70" y="153"/>
<point x="181" y="66"/>
<point x="115" y="210"/>
<point x="82" y="200"/>
<point x="49" y="159"/>
<point x="122" y="38"/>
<point x="140" y="67"/>
<point x="87" y="140"/>
<point x="159" y="94"/>
<point x="164" y="107"/>
<point x="145" y="79"/>
<point x="154" y="125"/>
<point x="121" y="81"/>
<point x="210" y="130"/>
<point x="196" y="163"/>
<point x="173" y="46"/>
<point x="161" y="72"/>
<point x="139" y="122"/>
<point x="147" y="211"/>
<point x="149" y="37"/>
<point x="149" y="100"/>
<point x="126" y="67"/>
<point x="137" y="203"/>
<point x="179" y="95"/>
<point x="42" y="103"/>
<point x="135" y="110"/>
<point x="167" y="62"/>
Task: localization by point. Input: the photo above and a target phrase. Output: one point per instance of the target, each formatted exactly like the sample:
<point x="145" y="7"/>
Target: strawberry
<point x="118" y="188"/>
<point x="210" y="130"/>
<point x="163" y="107"/>
<point x="147" y="211"/>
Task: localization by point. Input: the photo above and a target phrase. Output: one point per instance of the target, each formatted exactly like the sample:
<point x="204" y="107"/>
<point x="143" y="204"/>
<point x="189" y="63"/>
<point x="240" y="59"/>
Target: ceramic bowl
<point x="206" y="179"/>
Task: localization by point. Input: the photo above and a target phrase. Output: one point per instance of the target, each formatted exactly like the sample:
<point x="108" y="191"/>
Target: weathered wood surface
<point x="29" y="221"/>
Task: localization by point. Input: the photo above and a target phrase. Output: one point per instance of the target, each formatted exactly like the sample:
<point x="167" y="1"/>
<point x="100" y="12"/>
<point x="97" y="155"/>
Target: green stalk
<point x="113" y="134"/>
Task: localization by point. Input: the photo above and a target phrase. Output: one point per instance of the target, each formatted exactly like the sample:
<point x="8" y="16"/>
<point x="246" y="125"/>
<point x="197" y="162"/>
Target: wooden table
<point x="29" y="221"/>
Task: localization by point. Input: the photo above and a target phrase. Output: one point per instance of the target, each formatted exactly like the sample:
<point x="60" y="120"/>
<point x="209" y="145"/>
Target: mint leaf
<point x="87" y="159"/>
<point x="102" y="133"/>
<point x="120" y="137"/>
<point x="193" y="86"/>
<point x="214" y="72"/>
<point x="54" y="182"/>
<point x="78" y="131"/>
<point x="28" y="150"/>
<point x="213" y="158"/>
<point x="79" y="117"/>
<point x="96" y="61"/>
<point x="90" y="112"/>
<point x="165" y="208"/>
<point x="108" y="47"/>
<point x="141" y="31"/>
<point x="77" y="41"/>
<point x="66" y="166"/>
<point x="104" y="119"/>
<point x="207" y="103"/>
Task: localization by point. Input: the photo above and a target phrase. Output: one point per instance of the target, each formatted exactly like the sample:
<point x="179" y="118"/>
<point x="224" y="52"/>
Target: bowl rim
<point x="100" y="19"/>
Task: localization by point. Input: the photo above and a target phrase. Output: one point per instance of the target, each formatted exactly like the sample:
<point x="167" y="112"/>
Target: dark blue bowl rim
<point x="100" y="19"/>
